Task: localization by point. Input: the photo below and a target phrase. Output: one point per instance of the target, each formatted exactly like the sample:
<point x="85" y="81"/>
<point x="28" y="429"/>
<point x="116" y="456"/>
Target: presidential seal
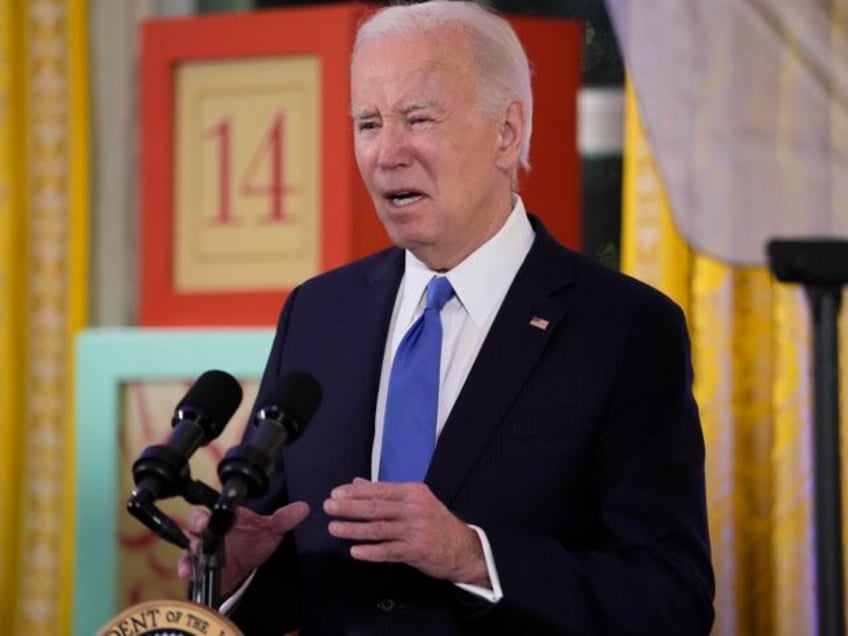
<point x="169" y="618"/>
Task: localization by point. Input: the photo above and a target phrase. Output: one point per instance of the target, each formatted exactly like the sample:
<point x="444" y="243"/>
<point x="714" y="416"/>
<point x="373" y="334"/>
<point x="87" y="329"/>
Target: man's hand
<point x="249" y="543"/>
<point x="406" y="523"/>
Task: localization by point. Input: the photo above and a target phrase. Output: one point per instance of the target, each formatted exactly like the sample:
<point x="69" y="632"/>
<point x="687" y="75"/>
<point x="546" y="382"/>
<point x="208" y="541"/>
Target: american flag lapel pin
<point x="539" y="323"/>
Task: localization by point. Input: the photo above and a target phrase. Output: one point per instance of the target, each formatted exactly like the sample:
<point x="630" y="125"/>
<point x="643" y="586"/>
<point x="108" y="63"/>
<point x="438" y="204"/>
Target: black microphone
<point x="162" y="470"/>
<point x="246" y="469"/>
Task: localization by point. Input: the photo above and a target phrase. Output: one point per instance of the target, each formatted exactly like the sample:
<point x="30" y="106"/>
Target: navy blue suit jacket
<point x="576" y="447"/>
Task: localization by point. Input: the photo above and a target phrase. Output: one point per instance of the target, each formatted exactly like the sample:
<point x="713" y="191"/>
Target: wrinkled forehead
<point x="451" y="37"/>
<point x="447" y="48"/>
<point x="430" y="63"/>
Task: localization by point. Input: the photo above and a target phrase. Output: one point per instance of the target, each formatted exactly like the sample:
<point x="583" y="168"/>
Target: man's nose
<point x="393" y="149"/>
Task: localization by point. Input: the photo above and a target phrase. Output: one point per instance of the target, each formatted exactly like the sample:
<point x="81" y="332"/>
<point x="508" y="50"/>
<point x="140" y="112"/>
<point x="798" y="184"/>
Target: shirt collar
<point x="482" y="279"/>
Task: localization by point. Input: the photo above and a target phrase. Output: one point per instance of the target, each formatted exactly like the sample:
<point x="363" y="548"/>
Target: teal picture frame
<point x="106" y="359"/>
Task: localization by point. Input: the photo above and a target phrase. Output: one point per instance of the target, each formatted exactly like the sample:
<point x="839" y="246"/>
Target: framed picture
<point x="128" y="382"/>
<point x="249" y="184"/>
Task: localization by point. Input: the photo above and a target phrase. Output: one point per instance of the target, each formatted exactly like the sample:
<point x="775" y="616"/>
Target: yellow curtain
<point x="43" y="291"/>
<point x="11" y="316"/>
<point x="750" y="340"/>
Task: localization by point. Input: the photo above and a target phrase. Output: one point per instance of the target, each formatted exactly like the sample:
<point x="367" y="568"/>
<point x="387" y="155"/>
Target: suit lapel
<point x="527" y="318"/>
<point x="343" y="344"/>
<point x="367" y="332"/>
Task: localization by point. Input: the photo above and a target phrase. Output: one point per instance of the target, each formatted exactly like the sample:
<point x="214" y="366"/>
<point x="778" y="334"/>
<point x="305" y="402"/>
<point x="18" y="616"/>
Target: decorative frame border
<point x="107" y="358"/>
<point x="325" y="32"/>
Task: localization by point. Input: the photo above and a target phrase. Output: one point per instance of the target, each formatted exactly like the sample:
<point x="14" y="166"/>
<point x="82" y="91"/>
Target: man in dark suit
<point x="565" y="490"/>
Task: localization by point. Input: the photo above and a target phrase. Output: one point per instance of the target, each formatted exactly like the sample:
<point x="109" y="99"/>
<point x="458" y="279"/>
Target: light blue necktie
<point x="412" y="402"/>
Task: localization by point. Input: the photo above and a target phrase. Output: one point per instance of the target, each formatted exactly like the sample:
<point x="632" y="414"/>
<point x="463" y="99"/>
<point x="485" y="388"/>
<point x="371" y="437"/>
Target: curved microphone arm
<point x="146" y="511"/>
<point x="142" y="506"/>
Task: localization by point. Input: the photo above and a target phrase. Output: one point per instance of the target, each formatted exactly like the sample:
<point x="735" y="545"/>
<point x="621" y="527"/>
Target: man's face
<point x="433" y="163"/>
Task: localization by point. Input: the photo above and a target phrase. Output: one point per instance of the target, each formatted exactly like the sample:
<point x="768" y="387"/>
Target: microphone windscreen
<point x="297" y="393"/>
<point x="216" y="396"/>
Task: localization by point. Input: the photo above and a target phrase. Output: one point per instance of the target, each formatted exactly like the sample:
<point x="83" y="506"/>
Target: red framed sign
<point x="249" y="182"/>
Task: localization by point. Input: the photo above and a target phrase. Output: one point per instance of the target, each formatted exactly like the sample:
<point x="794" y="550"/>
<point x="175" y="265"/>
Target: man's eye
<point x="364" y="126"/>
<point x="420" y="119"/>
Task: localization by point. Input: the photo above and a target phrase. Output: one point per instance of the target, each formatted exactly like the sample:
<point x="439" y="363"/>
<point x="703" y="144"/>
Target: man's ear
<point x="509" y="135"/>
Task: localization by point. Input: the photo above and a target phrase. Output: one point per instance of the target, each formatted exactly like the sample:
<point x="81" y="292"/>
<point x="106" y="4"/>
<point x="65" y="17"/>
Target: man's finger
<point x="185" y="567"/>
<point x="364" y="489"/>
<point x="198" y="520"/>
<point x="373" y="531"/>
<point x="387" y="552"/>
<point x="363" y="508"/>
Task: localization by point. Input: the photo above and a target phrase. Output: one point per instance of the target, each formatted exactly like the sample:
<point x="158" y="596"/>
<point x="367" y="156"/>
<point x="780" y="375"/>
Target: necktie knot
<point x="439" y="291"/>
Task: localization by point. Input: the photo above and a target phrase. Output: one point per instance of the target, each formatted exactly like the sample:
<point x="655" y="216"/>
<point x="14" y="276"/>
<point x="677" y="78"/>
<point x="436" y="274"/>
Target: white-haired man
<point x="562" y="486"/>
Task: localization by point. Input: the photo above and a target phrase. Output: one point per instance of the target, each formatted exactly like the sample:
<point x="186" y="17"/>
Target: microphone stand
<point x="822" y="267"/>
<point x="212" y="557"/>
<point x="246" y="471"/>
<point x="206" y="589"/>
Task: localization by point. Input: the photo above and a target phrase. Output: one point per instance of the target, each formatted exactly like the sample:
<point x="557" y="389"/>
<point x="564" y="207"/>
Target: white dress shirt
<point x="480" y="283"/>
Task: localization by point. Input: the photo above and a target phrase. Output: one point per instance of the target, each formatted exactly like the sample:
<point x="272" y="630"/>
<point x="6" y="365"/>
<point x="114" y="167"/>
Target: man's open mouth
<point x="403" y="197"/>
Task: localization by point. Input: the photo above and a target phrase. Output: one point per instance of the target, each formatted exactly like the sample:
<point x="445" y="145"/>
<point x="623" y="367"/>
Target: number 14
<point x="270" y="152"/>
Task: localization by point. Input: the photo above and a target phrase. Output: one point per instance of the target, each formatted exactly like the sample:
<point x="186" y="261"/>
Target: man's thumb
<point x="287" y="517"/>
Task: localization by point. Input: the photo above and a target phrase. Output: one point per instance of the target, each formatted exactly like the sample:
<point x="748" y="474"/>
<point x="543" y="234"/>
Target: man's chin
<point x="404" y="232"/>
<point x="426" y="252"/>
<point x="407" y="239"/>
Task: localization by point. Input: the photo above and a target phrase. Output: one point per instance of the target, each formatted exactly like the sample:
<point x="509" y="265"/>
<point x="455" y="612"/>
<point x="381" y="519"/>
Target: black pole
<point x="206" y="588"/>
<point x="824" y="307"/>
<point x="822" y="267"/>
